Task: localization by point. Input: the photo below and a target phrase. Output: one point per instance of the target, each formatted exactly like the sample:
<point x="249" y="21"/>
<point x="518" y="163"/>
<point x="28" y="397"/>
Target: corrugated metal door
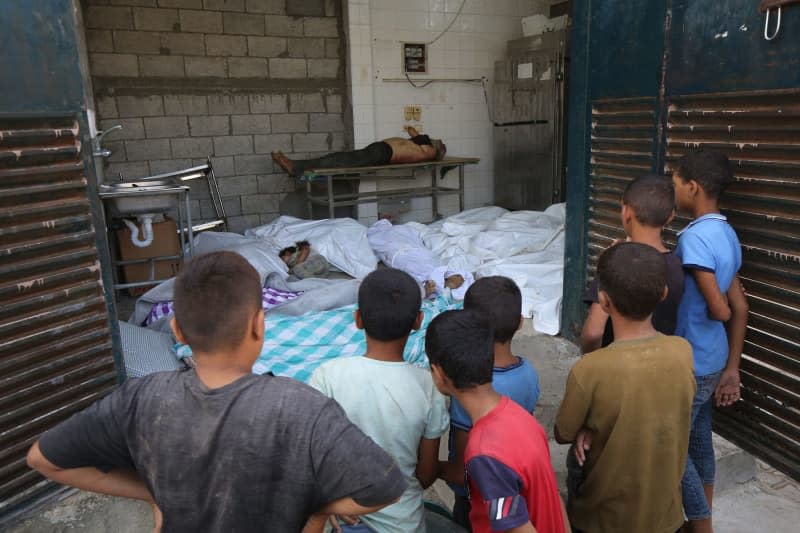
<point x="55" y="343"/>
<point x="622" y="149"/>
<point x="759" y="132"/>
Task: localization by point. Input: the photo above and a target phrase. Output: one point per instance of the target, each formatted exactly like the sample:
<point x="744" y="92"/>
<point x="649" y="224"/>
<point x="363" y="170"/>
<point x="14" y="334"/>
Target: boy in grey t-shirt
<point x="216" y="448"/>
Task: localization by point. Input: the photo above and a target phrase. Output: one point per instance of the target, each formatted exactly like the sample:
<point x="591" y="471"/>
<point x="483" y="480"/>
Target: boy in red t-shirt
<point x="509" y="476"/>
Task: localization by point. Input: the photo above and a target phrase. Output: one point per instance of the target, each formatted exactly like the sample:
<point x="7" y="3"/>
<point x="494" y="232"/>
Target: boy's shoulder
<point x="509" y="423"/>
<point x="708" y="229"/>
<point x="352" y="369"/>
<point x="521" y="371"/>
<point x="607" y="357"/>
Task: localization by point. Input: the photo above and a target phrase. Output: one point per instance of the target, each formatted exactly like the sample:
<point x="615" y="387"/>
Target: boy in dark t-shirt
<point x="648" y="204"/>
<point x="507" y="459"/>
<point x="217" y="448"/>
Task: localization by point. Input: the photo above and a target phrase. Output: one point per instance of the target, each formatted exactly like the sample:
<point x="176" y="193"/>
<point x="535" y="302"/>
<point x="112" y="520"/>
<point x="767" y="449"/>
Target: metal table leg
<point x="189" y="229"/>
<point x="434" y="195"/>
<point x="460" y="188"/>
<point x="330" y="197"/>
<point x="308" y="199"/>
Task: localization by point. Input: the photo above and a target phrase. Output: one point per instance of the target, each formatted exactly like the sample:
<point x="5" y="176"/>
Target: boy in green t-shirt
<point x="627" y="407"/>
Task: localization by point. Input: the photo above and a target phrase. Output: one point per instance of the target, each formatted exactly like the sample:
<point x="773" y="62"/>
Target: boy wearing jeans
<point x="627" y="406"/>
<point x="713" y="302"/>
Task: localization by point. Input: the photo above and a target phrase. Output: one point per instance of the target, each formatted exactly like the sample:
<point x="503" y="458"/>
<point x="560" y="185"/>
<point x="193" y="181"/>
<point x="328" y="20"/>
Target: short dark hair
<point x="461" y="344"/>
<point x="652" y="199"/>
<point x="634" y="276"/>
<point x="710" y="169"/>
<point x="216" y="295"/>
<point x="499" y="299"/>
<point x="389" y="301"/>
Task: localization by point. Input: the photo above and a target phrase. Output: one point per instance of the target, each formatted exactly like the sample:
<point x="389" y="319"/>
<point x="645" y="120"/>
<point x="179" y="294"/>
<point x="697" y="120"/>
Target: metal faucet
<point x="97" y="151"/>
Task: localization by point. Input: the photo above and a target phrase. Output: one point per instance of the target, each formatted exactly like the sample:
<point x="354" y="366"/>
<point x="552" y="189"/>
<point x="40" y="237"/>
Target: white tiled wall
<point x="456" y="112"/>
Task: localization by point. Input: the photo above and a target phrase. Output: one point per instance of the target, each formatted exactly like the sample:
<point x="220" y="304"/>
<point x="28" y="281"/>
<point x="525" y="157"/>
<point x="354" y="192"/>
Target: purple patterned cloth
<point x="269" y="298"/>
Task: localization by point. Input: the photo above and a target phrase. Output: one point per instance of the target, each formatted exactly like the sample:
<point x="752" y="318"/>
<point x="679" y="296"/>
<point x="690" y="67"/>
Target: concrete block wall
<point x="229" y="79"/>
<point x="456" y="112"/>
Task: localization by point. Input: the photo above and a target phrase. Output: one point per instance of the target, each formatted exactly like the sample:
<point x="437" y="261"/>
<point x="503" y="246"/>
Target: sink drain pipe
<point x="147" y="231"/>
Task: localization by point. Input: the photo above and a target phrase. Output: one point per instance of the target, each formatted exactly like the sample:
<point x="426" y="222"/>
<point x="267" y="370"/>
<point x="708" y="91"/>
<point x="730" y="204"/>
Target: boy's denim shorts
<point x="700" y="465"/>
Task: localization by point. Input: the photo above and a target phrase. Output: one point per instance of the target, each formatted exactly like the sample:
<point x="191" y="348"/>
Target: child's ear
<point x="358" y="320"/>
<point x="418" y="321"/>
<point x="671" y="217"/>
<point x="665" y="293"/>
<point x="173" y="324"/>
<point x="604" y="301"/>
<point x="625" y="214"/>
<point x="258" y="326"/>
<point x="439" y="378"/>
<point x="694" y="187"/>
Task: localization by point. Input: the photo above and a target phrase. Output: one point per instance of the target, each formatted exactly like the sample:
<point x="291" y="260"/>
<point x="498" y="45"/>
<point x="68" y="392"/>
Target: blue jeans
<point x="700" y="465"/>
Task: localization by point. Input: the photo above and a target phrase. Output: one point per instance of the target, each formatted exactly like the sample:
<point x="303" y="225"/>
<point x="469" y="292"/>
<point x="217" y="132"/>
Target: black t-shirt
<point x="260" y="454"/>
<point x="666" y="313"/>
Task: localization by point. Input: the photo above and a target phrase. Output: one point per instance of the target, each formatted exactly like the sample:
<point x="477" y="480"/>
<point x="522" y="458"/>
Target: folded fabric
<point x="315" y="266"/>
<point x="270" y="298"/>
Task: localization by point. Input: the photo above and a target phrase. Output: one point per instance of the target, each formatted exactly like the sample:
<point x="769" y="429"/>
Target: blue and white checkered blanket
<point x="294" y="346"/>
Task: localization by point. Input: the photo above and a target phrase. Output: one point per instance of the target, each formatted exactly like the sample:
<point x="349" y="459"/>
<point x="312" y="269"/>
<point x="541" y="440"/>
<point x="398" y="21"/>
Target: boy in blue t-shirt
<point x="712" y="315"/>
<point x="499" y="299"/>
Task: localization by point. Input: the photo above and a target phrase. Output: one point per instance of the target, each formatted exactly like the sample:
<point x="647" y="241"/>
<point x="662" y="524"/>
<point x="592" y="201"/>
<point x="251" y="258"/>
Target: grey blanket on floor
<point x="318" y="295"/>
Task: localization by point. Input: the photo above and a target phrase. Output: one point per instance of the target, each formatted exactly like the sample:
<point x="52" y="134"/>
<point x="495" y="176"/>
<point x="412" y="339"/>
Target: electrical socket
<point x="408" y="112"/>
<point x="416" y="112"/>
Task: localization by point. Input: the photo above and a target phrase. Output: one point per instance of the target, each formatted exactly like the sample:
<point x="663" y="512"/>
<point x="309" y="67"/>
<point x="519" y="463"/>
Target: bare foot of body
<point x="455" y="281"/>
<point x="284" y="162"/>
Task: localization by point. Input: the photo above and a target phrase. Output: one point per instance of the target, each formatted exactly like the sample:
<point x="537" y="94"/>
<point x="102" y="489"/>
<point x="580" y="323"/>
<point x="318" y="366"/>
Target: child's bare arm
<point x="718" y="307"/>
<point x="427" y="462"/>
<point x="453" y="472"/>
<point x="593" y="328"/>
<point x="344" y="507"/>
<point x="728" y="390"/>
<point x="117" y="482"/>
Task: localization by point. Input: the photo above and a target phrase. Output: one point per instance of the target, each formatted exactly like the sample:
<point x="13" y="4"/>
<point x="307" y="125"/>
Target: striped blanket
<point x="294" y="346"/>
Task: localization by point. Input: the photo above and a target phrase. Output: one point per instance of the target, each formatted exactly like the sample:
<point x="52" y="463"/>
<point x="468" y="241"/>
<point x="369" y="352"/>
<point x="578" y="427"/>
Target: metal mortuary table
<point x="386" y="172"/>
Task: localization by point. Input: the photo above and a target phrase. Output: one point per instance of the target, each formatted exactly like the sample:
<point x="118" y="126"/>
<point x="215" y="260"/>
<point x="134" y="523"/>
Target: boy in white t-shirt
<point x="391" y="401"/>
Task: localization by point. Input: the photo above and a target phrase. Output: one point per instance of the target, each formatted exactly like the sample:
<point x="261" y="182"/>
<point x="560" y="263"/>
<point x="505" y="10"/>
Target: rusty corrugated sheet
<point x="622" y="149"/>
<point x="55" y="344"/>
<point x="760" y="132"/>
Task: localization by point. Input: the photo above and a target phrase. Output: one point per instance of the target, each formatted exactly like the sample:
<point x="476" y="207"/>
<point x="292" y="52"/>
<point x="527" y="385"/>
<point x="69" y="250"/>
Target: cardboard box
<point x="165" y="242"/>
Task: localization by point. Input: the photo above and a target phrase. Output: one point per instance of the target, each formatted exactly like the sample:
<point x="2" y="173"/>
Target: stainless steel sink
<point x="141" y="197"/>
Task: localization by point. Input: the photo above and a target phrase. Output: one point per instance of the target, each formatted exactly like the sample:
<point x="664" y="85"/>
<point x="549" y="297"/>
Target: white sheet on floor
<point x="401" y="246"/>
<point x="526" y="246"/>
<point x="342" y="241"/>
